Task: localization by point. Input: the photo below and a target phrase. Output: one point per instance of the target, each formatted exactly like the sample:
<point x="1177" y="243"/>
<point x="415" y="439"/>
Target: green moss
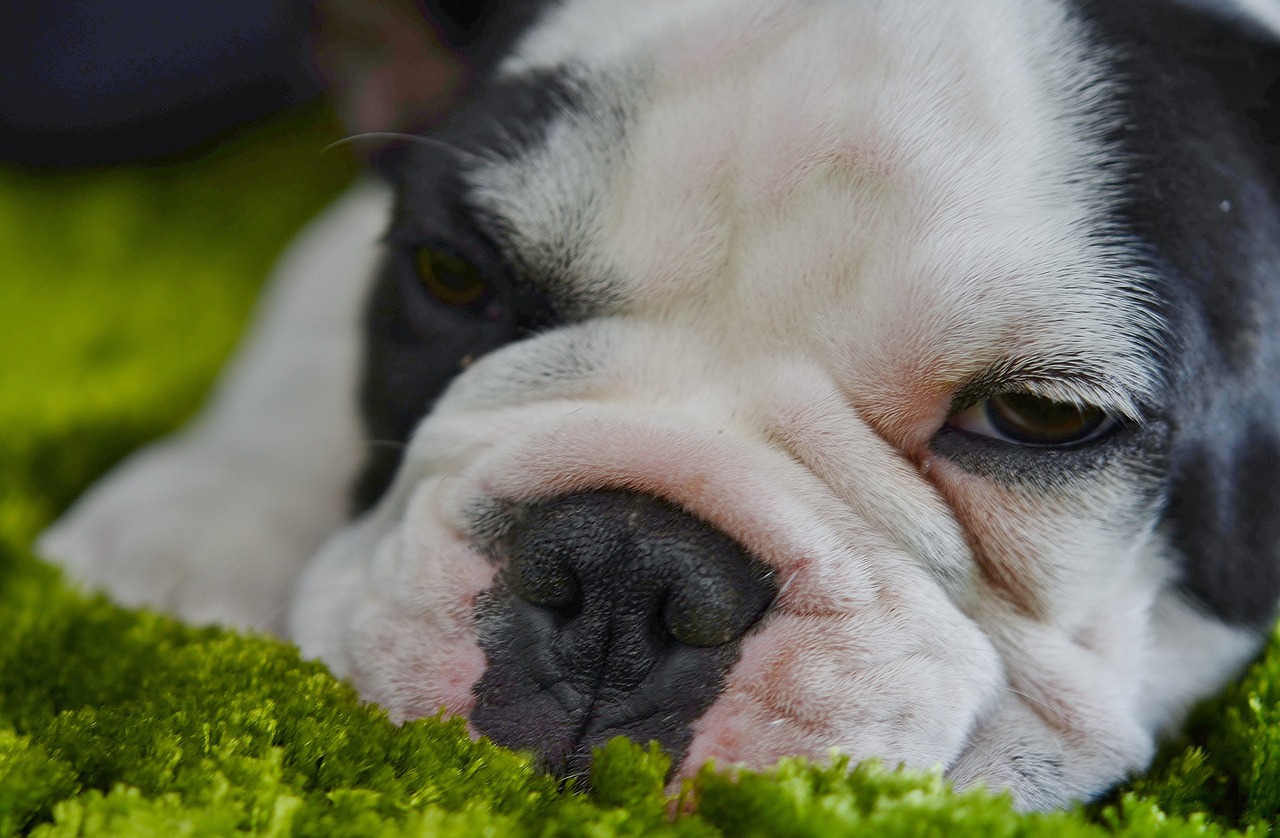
<point x="30" y="782"/>
<point x="121" y="293"/>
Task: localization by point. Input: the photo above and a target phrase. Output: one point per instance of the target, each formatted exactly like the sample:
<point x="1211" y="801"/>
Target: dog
<point x="769" y="378"/>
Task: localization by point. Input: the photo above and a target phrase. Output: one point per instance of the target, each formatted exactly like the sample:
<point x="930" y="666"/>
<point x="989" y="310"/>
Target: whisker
<point x="787" y="584"/>
<point x="398" y="135"/>
<point x="1046" y="705"/>
<point x="270" y="619"/>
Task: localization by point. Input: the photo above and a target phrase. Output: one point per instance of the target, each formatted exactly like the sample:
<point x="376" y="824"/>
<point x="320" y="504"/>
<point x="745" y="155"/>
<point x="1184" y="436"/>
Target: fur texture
<point x="764" y="261"/>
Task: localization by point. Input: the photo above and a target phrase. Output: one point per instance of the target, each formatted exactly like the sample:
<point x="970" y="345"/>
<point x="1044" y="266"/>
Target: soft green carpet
<point x="121" y="291"/>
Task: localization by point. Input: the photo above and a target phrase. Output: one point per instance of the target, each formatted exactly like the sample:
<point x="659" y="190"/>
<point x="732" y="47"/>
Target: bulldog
<point x="765" y="378"/>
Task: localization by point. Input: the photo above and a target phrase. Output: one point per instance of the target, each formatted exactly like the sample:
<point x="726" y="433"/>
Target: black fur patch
<point x="1199" y="137"/>
<point x="483" y="31"/>
<point x="414" y="346"/>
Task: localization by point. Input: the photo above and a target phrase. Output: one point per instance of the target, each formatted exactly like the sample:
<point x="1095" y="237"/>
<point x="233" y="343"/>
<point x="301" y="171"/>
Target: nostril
<point x="618" y="613"/>
<point x="630" y="552"/>
<point x="717" y="605"/>
<point x="543" y="578"/>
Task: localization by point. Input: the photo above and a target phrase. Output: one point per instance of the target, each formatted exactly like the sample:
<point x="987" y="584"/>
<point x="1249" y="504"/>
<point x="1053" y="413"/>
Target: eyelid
<point x="1069" y="387"/>
<point x="975" y="419"/>
<point x="408" y="240"/>
<point x="404" y="243"/>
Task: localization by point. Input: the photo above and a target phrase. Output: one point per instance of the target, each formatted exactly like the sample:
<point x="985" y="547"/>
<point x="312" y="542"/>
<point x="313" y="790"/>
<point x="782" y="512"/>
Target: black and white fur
<point x="755" y="266"/>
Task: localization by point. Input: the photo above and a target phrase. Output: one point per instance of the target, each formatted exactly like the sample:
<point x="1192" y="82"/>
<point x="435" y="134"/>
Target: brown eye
<point x="449" y="279"/>
<point x="1038" y="421"/>
<point x="1029" y="419"/>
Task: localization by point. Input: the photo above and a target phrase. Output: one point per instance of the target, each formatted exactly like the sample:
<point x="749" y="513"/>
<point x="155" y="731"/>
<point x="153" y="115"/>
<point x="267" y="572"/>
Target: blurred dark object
<point x="87" y="82"/>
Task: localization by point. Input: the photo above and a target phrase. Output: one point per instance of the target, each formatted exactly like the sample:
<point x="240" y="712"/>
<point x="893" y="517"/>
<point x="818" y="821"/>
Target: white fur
<point x="818" y="220"/>
<point x="1265" y="13"/>
<point x="215" y="523"/>
<point x="804" y="225"/>
<point x="1190" y="655"/>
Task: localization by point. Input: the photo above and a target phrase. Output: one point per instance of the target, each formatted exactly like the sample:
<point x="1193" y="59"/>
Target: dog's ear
<point x="1202" y="132"/>
<point x="393" y="66"/>
<point x="1238" y="45"/>
<point x="388" y="65"/>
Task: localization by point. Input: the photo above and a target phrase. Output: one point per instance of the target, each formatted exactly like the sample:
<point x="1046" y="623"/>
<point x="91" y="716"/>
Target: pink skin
<point x="752" y="493"/>
<point x="420" y="656"/>
<point x="851" y="656"/>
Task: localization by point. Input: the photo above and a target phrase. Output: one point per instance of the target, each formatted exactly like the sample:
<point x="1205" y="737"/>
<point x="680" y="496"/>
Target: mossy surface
<point x="121" y="292"/>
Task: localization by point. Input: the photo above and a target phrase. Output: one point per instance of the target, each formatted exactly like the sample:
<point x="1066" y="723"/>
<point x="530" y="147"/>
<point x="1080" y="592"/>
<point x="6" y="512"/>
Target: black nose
<point x="618" y="614"/>
<point x="641" y="559"/>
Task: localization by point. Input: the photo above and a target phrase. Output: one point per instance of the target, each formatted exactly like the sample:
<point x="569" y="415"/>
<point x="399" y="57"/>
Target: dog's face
<point x="779" y="377"/>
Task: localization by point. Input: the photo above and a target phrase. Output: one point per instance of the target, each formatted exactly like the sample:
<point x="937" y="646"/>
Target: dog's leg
<point x="215" y="523"/>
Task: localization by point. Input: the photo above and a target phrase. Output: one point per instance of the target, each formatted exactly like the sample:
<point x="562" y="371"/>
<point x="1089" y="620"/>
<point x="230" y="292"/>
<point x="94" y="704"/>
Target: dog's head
<point x="768" y="377"/>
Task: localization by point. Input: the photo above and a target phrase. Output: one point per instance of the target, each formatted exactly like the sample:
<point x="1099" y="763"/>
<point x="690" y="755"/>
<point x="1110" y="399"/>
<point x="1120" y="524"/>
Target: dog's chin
<point x="861" y="652"/>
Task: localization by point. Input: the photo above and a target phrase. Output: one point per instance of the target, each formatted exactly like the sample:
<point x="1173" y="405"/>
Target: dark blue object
<point x="90" y="82"/>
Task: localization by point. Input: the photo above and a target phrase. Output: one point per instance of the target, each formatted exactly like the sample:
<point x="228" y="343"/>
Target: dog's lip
<point x="757" y="495"/>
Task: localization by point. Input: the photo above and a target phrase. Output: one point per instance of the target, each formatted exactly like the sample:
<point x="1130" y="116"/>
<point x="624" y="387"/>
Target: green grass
<point x="121" y="292"/>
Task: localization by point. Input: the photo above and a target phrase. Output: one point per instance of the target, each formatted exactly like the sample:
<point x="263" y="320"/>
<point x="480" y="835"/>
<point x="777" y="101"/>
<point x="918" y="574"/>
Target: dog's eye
<point x="1028" y="419"/>
<point x="452" y="281"/>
